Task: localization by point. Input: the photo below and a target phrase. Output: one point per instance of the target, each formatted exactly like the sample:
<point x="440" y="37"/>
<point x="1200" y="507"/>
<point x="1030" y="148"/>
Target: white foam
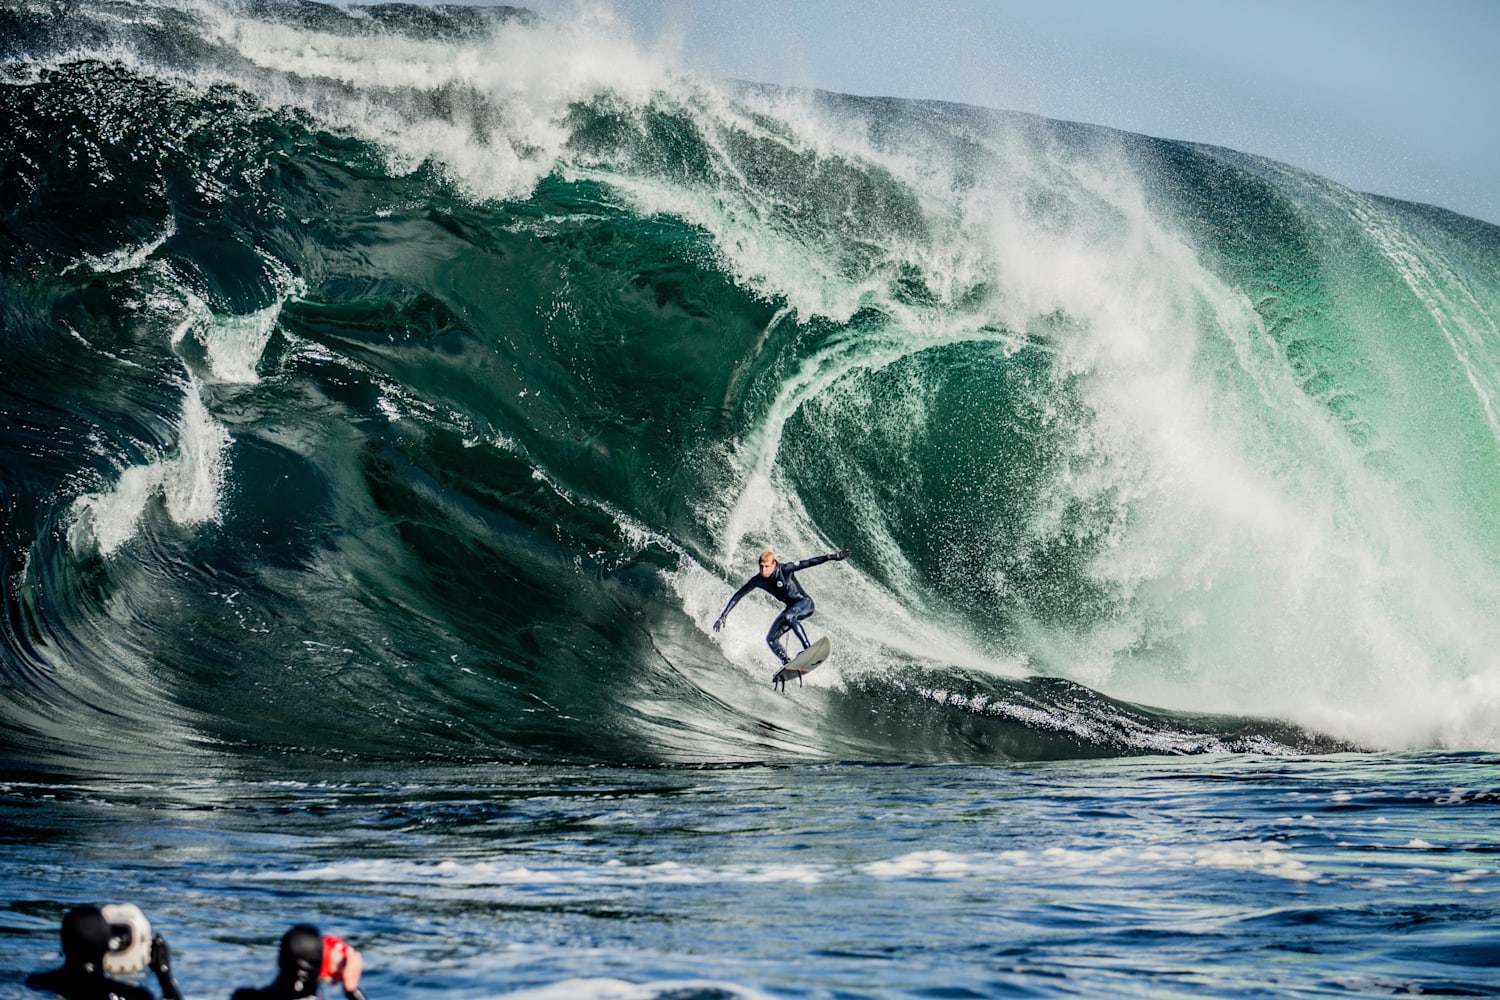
<point x="1416" y="862"/>
<point x="188" y="482"/>
<point x="1265" y="859"/>
<point x="510" y="875"/>
<point x="1023" y="865"/>
<point x="127" y="258"/>
<point x="235" y="343"/>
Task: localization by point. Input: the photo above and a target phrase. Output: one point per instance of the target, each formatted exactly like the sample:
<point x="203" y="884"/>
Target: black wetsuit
<point x="299" y="963"/>
<point x="782" y="584"/>
<point x="282" y="989"/>
<point x="276" y="991"/>
<point x="86" y="938"/>
<point x="74" y="984"/>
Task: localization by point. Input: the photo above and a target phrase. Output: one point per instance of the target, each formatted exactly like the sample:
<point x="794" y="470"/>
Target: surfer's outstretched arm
<point x="719" y="622"/>
<point x="838" y="556"/>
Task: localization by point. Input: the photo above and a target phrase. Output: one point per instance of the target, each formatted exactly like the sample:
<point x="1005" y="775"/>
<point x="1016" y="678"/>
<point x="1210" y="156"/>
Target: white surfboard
<point x="802" y="663"/>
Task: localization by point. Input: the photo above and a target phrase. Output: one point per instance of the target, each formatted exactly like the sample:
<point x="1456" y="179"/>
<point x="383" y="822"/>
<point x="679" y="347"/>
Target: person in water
<point x="780" y="581"/>
<point x="86" y="938"/>
<point x="306" y="960"/>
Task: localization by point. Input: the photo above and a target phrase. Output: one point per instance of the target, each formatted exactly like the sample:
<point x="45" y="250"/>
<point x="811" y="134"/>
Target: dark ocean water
<point x="1231" y="876"/>
<point x="393" y="396"/>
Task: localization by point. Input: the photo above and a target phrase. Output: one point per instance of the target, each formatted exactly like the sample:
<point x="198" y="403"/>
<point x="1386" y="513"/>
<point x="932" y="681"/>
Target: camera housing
<point x="129" y="938"/>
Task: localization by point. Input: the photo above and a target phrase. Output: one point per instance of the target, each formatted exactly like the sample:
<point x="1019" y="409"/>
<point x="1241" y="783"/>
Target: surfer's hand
<point x="841" y="554"/>
<point x="719" y="623"/>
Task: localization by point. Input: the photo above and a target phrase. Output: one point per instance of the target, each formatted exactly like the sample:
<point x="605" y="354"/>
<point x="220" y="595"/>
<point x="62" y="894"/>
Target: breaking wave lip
<point x="1214" y="513"/>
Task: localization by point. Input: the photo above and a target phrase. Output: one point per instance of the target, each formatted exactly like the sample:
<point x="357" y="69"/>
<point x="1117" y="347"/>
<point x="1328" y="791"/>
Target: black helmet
<point x="85" y="937"/>
<point x="301" y="959"/>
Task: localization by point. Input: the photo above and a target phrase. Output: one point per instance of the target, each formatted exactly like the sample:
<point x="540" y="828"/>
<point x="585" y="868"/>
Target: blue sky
<point x="1398" y="97"/>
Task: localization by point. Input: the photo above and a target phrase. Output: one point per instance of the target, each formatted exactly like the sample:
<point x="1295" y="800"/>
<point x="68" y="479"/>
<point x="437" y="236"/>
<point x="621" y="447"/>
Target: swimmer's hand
<point x="161" y="964"/>
<point x="161" y="956"/>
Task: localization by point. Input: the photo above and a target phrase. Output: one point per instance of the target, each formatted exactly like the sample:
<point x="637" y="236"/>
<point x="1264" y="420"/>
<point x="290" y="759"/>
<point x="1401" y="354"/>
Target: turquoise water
<point x="392" y="398"/>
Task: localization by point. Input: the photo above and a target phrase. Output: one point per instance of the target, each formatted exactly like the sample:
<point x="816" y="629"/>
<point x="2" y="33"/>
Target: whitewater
<point x="394" y="395"/>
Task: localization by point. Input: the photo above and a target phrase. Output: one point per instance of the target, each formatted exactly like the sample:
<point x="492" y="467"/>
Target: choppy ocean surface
<point x="1237" y="876"/>
<point x="391" y="398"/>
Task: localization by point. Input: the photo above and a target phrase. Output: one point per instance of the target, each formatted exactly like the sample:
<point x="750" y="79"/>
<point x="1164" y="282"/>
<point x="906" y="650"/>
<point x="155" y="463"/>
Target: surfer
<point x="87" y="936"/>
<point x="306" y="960"/>
<point x="779" y="580"/>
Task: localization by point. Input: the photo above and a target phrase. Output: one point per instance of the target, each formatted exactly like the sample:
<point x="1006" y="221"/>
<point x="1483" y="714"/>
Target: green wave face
<point x="417" y="382"/>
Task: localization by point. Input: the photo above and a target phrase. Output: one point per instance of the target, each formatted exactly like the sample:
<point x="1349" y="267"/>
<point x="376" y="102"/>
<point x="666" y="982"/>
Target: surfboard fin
<point x="778" y="682"/>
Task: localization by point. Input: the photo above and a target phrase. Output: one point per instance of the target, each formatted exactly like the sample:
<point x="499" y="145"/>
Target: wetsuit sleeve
<point x="814" y="561"/>
<point x="169" y="988"/>
<point x="749" y="585"/>
<point x="161" y="964"/>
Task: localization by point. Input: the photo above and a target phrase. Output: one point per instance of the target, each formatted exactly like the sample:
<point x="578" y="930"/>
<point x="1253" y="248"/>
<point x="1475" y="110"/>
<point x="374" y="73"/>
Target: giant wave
<point x="417" y="382"/>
